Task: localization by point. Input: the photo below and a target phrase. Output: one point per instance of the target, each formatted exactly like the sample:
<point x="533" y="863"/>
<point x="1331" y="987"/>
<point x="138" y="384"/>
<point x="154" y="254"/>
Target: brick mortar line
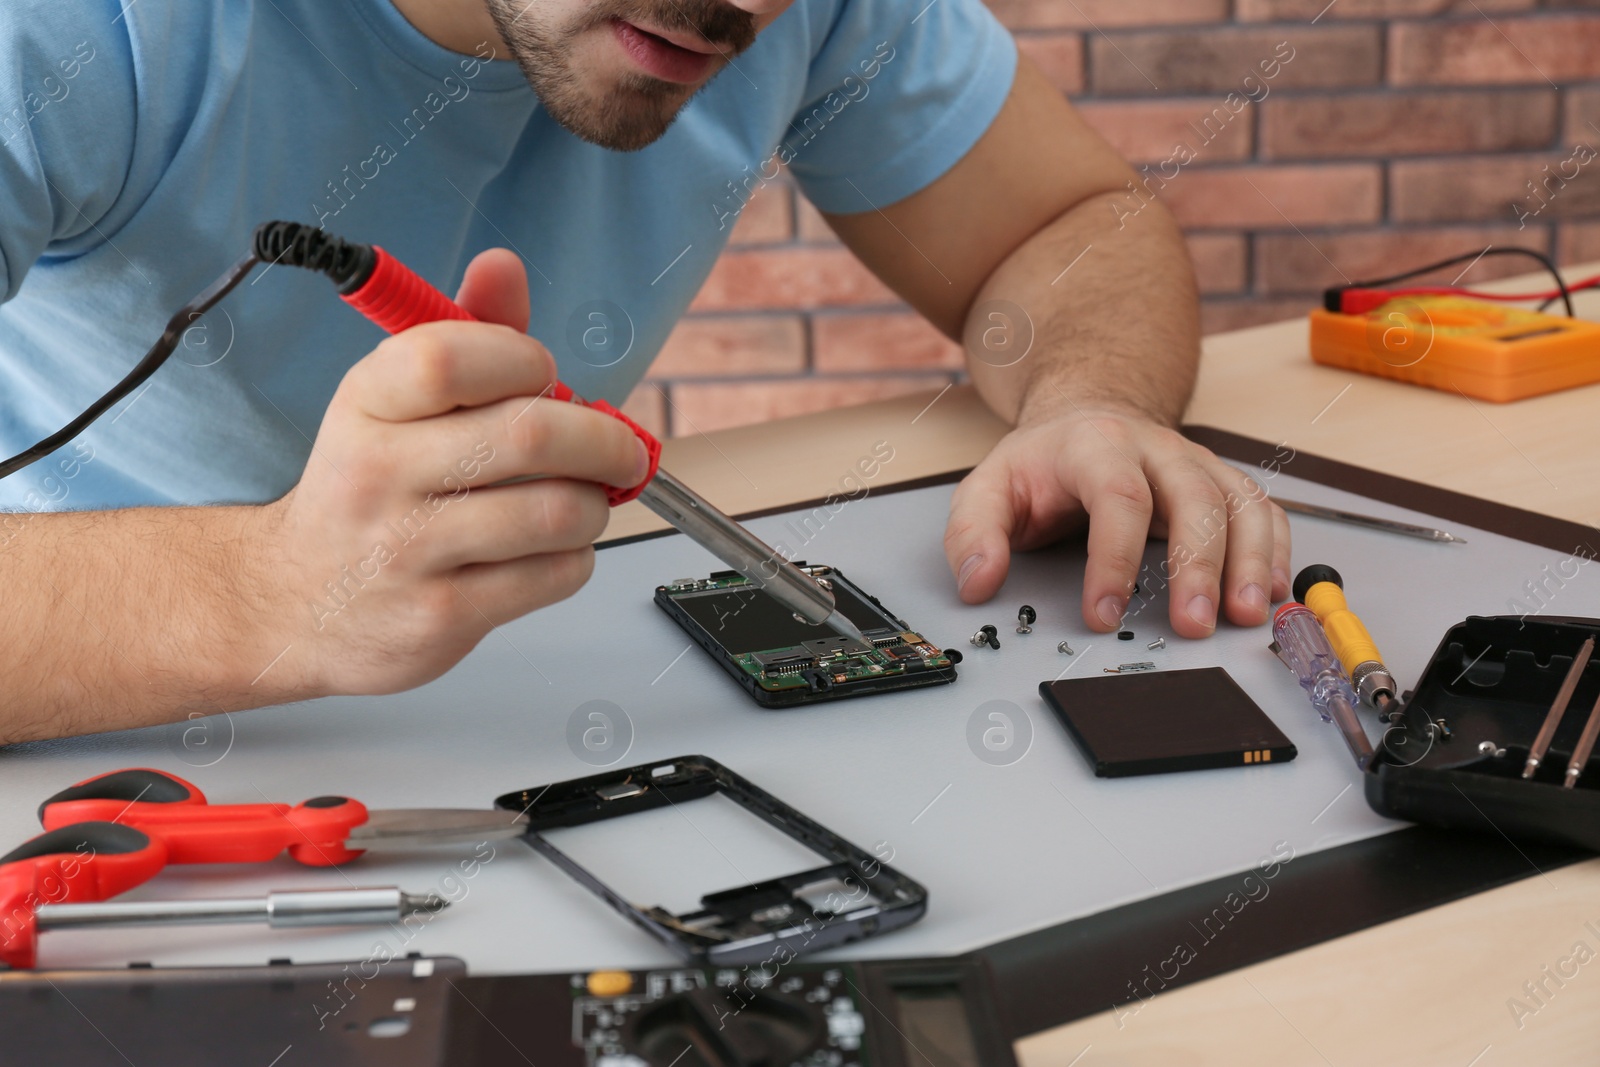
<point x="1376" y="88"/>
<point x="775" y="311"/>
<point x="778" y="379"/>
<point x="1221" y="26"/>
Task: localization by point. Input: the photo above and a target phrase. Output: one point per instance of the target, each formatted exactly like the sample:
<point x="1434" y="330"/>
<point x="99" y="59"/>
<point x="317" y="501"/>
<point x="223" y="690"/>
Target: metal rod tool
<point x="1552" y="720"/>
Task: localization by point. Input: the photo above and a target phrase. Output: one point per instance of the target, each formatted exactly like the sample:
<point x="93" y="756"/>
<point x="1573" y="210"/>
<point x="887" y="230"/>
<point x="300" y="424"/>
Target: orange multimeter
<point x="1457" y="344"/>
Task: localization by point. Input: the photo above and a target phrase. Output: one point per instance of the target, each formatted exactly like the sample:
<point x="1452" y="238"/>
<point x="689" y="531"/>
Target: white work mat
<point x="1003" y="848"/>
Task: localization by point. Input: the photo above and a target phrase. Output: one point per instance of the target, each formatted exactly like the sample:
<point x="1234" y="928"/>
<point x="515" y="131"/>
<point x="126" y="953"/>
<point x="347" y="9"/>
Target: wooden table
<point x="1435" y="988"/>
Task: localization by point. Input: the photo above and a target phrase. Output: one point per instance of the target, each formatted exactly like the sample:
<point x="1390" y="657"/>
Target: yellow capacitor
<point x="609" y="983"/>
<point x="1320" y="588"/>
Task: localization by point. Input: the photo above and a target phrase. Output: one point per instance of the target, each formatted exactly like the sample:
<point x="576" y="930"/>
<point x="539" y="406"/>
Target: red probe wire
<point x="1359" y="301"/>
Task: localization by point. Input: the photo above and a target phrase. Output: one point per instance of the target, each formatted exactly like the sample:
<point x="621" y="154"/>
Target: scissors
<point x="115" y="831"/>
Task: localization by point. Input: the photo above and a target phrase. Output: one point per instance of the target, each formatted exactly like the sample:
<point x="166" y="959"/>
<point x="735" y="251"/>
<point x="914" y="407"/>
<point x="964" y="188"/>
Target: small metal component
<point x="1160" y="642"/>
<point x="1026" y="617"/>
<point x="1374" y="684"/>
<point x="1489" y="748"/>
<point x="1130" y="668"/>
<point x="1125" y="635"/>
<point x="986" y="635"/>
<point x="1065" y="648"/>
<point x="1442" y="728"/>
<point x="621" y="790"/>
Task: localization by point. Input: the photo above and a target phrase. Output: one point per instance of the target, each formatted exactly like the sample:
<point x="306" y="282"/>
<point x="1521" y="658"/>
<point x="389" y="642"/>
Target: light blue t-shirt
<point x="141" y="144"/>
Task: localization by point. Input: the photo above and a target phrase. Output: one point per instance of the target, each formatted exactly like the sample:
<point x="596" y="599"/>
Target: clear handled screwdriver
<point x="1299" y="640"/>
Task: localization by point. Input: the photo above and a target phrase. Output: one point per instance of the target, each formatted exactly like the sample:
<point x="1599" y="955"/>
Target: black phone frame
<point x="761" y="923"/>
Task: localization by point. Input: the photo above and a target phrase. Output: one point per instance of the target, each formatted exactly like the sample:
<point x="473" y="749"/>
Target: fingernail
<point x="1109" y="611"/>
<point x="642" y="466"/>
<point x="968" y="565"/>
<point x="1280" y="578"/>
<point x="1254" y="596"/>
<point x="1203" y="611"/>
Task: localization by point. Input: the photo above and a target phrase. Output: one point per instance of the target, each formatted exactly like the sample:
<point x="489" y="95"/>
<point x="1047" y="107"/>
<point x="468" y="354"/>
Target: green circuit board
<point x="757" y="638"/>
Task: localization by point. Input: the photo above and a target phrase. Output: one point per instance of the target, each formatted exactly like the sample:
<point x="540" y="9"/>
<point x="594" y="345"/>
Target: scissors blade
<point x="421" y="827"/>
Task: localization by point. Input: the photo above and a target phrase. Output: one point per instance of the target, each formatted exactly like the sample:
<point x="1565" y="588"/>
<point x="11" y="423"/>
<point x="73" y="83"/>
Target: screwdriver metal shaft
<point x="1580" y="755"/>
<point x="1552" y="720"/>
<point x="1298" y="640"/>
<point x="296" y="907"/>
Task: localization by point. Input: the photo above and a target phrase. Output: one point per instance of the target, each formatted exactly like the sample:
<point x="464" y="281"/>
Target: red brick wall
<point x="1401" y="131"/>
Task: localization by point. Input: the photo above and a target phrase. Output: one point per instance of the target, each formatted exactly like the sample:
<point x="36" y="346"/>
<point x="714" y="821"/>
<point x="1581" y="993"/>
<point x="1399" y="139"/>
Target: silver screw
<point x="1160" y="642"/>
<point x="979" y="639"/>
<point x="1065" y="648"/>
<point x="1489" y="748"/>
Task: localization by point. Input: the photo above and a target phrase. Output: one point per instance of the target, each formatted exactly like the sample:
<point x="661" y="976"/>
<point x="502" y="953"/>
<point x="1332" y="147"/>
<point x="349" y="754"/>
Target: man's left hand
<point x="1131" y="479"/>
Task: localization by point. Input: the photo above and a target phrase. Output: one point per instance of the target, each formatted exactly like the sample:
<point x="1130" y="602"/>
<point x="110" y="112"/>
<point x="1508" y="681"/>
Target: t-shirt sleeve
<point x="898" y="93"/>
<point x="66" y="125"/>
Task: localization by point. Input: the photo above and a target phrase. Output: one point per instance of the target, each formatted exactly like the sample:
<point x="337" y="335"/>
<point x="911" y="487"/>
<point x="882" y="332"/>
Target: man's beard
<point x="638" y="109"/>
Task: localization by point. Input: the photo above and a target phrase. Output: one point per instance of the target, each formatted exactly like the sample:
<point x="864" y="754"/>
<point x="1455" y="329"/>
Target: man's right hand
<point x="398" y="551"/>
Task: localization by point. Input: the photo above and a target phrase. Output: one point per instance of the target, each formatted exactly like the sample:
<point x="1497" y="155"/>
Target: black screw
<point x="1125" y="635"/>
<point x="992" y="635"/>
<point x="1026" y="617"/>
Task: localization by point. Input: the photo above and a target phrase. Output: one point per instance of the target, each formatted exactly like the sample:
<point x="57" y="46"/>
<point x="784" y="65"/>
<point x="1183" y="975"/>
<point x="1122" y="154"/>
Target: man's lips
<point x="674" y="59"/>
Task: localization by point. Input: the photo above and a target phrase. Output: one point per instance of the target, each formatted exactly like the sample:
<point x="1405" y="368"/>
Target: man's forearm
<point x="1111" y="306"/>
<point x="128" y="618"/>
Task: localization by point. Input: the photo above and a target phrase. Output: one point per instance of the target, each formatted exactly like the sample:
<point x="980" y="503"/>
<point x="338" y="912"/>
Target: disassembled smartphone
<point x="854" y="895"/>
<point x="784" y="661"/>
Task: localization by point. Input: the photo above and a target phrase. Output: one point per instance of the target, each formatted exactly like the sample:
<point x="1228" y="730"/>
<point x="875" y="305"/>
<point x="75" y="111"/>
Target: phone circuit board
<point x="782" y="661"/>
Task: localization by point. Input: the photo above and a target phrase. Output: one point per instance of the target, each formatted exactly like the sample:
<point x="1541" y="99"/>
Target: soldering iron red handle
<point x="397" y="298"/>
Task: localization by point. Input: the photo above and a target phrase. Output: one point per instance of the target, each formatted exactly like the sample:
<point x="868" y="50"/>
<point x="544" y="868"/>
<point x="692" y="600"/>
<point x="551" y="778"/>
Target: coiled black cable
<point x="298" y="245"/>
<point x="291" y="243"/>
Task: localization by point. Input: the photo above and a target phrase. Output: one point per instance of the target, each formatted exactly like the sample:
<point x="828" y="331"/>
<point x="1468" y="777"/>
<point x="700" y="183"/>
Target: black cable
<point x="1544" y="261"/>
<point x="158" y="354"/>
<point x="298" y="245"/>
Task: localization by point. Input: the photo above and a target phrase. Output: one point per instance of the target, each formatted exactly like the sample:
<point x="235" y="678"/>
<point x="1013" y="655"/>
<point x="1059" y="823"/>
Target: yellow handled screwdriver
<point x="1320" y="588"/>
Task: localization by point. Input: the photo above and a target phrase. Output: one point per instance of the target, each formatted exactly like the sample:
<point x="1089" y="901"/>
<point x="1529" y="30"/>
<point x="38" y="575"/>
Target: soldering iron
<point x="395" y="298"/>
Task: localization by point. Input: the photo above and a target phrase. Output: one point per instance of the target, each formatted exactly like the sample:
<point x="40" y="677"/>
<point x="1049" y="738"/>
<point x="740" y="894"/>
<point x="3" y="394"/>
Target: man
<point x="608" y="158"/>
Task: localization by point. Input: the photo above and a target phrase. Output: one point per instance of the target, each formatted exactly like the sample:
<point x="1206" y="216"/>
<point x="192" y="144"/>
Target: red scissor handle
<point x="194" y="831"/>
<point x="397" y="298"/>
<point x="85" y="862"/>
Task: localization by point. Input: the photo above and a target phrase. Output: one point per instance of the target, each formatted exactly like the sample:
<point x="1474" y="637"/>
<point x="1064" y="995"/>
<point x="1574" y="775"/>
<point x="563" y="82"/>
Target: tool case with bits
<point x="1459" y="755"/>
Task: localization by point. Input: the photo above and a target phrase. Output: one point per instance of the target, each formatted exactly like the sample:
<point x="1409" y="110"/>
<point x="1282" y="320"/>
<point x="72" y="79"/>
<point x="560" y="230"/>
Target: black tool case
<point x="1493" y="679"/>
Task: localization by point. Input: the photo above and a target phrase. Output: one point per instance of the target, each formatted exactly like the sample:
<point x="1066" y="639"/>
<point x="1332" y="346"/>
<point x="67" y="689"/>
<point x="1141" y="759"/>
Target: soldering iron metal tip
<point x="841" y="625"/>
<point x="412" y="904"/>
